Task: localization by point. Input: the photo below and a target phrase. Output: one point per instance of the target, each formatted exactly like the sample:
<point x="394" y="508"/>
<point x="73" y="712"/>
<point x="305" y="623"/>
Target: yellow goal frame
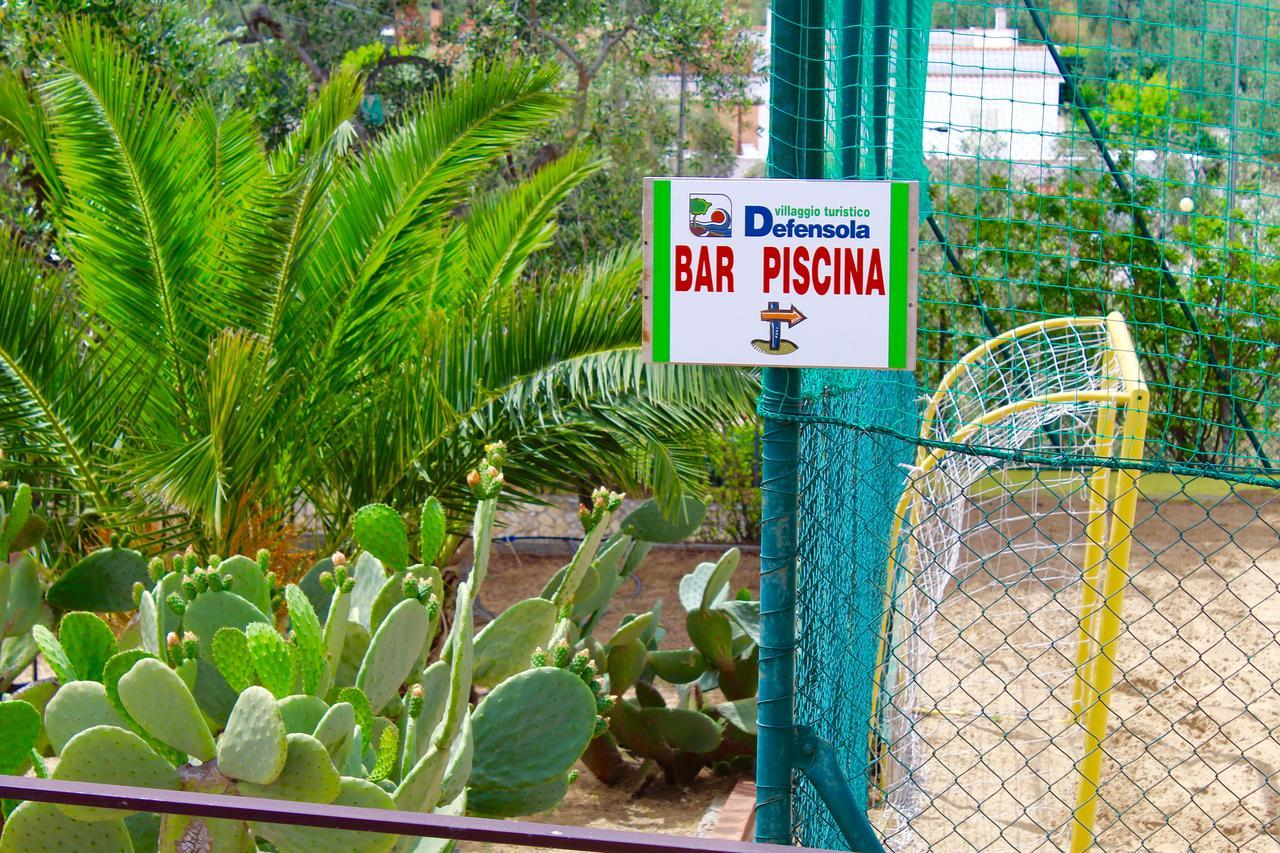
<point x="1120" y="432"/>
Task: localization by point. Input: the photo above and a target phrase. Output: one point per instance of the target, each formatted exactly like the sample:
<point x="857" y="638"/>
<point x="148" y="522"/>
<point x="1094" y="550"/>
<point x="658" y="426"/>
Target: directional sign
<point x="781" y="273"/>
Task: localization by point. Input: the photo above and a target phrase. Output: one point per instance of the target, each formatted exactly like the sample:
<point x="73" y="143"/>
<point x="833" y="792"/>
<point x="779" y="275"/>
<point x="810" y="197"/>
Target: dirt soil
<point x="658" y="808"/>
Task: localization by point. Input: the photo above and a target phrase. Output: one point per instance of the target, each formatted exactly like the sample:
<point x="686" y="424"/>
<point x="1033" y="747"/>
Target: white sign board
<point x="781" y="273"/>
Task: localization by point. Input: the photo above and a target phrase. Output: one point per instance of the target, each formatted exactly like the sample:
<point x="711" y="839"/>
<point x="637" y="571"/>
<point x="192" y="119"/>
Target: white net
<point x="978" y="734"/>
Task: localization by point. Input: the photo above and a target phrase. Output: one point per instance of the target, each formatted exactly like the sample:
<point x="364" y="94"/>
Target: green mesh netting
<point x="1079" y="158"/>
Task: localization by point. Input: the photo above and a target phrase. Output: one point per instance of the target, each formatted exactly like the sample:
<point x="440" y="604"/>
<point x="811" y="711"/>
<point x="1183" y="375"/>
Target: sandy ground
<point x="1192" y="761"/>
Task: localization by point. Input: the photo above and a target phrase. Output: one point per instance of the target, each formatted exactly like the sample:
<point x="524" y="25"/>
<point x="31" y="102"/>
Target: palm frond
<point x="62" y="397"/>
<point x="244" y="225"/>
<point x="556" y="373"/>
<point x="326" y="129"/>
<point x="505" y="227"/>
<point x="138" y="205"/>
<point x="224" y="466"/>
<point x="24" y="124"/>
<point x="390" y="213"/>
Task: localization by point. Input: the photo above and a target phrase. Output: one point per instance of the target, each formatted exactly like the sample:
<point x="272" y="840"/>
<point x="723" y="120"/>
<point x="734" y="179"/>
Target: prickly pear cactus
<point x="273" y="659"/>
<point x="159" y="701"/>
<point x="393" y="651"/>
<point x="20" y="724"/>
<point x="529" y="731"/>
<point x="253" y="747"/>
<point x="380" y="531"/>
<point x="75" y="707"/>
<point x="308" y="774"/>
<point x="88" y="642"/>
<point x="43" y="826"/>
<point x="431" y="531"/>
<point x="321" y="712"/>
<point x="111" y="755"/>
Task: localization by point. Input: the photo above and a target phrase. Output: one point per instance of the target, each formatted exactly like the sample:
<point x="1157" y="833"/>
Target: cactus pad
<point x="679" y="666"/>
<point x="504" y="646"/>
<point x="22" y="608"/>
<point x="605" y="569"/>
<point x="308" y="774"/>
<point x="38" y="694"/>
<point x="158" y="700"/>
<point x="648" y="523"/>
<point x="302" y="713"/>
<point x="211" y="611"/>
<point x="684" y="729"/>
<point x="114" y="756"/>
<point x="633" y="629"/>
<point x="21" y="726"/>
<point x="248" y="581"/>
<point x="388" y="749"/>
<point x="531" y="727"/>
<point x="391" y="594"/>
<point x="54" y="654"/>
<point x="88" y="642"/>
<point x="271" y="658"/>
<point x="369" y="576"/>
<point x="393" y="651"/>
<point x="359" y="703"/>
<point x="149" y="635"/>
<point x="102" y="582"/>
<point x="694" y="585"/>
<point x="712" y="633"/>
<point x="335" y="730"/>
<point x="301" y="839"/>
<point x="626" y="663"/>
<point x="741" y="714"/>
<point x="75" y="707"/>
<point x="253" y="747"/>
<point x="354" y="647"/>
<point x="420" y="788"/>
<point x="717" y="589"/>
<point x="431" y="530"/>
<point x="435" y="695"/>
<point x="308" y="637"/>
<point x="42" y="826"/>
<point x="111" y="675"/>
<point x="231" y="655"/>
<point x="380" y="531"/>
<point x="19" y="512"/>
<point x="458" y="769"/>
<point x="515" y="802"/>
<point x="746" y="616"/>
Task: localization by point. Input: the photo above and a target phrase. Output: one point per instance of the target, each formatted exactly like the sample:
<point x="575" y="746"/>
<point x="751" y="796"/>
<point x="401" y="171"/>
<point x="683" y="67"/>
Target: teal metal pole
<point x="796" y="150"/>
<point x="779" y="451"/>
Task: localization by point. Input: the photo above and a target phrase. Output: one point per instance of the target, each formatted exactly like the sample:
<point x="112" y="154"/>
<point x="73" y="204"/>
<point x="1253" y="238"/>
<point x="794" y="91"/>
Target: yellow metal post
<point x="1095" y="532"/>
<point x="1100" y="671"/>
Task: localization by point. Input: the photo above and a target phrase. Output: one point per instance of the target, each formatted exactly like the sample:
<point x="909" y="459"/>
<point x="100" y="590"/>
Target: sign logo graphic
<point x="710" y="215"/>
<point x="774" y="317"/>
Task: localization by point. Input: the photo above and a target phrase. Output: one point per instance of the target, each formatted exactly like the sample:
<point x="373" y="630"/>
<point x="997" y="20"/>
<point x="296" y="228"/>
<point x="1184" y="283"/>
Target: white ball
<point x="1186" y="205"/>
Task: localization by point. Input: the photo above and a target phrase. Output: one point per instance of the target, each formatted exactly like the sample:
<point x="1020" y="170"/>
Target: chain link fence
<point x="1043" y="613"/>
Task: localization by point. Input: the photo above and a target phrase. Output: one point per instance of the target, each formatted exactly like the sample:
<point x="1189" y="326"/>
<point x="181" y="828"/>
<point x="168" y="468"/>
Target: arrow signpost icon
<point x="775" y="317"/>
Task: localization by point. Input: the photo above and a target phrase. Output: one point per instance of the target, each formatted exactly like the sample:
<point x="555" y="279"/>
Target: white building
<point x="987" y="93"/>
<point x="984" y="93"/>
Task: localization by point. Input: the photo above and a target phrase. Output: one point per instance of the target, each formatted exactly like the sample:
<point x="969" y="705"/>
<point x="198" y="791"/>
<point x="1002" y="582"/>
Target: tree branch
<point x="389" y="60"/>
<point x="611" y="39"/>
<point x="259" y="19"/>
<point x="560" y="44"/>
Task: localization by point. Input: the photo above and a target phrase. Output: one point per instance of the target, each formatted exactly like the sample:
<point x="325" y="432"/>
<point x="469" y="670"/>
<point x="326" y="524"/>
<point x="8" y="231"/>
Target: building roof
<point x="986" y="53"/>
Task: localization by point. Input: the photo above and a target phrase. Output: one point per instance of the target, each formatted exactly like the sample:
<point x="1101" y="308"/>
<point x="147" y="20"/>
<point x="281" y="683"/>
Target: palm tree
<point x="325" y="324"/>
